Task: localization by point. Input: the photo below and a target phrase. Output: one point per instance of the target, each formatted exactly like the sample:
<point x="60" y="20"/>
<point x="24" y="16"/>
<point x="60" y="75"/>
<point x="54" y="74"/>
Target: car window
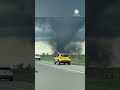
<point x="65" y="55"/>
<point x="5" y="68"/>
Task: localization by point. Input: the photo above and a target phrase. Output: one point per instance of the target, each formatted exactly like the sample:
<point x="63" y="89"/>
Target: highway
<point x="49" y="76"/>
<point x="15" y="85"/>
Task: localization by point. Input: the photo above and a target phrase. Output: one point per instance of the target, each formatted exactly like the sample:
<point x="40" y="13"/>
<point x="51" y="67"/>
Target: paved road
<point x="59" y="77"/>
<point x="14" y="85"/>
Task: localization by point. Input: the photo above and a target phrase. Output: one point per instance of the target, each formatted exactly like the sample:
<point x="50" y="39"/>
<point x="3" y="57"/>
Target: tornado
<point x="63" y="29"/>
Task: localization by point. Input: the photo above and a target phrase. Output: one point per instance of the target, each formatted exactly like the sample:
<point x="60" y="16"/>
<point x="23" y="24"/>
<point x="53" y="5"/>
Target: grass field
<point x="24" y="76"/>
<point x="102" y="84"/>
<point x="102" y="78"/>
<point x="75" y="60"/>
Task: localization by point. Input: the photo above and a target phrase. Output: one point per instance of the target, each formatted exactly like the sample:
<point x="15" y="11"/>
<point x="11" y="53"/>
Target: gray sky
<point x="58" y="8"/>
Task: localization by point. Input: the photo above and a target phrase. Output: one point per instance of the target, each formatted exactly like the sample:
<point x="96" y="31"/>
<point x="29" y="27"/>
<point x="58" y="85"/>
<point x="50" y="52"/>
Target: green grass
<point x="75" y="60"/>
<point x="102" y="84"/>
<point x="24" y="76"/>
<point x="103" y="78"/>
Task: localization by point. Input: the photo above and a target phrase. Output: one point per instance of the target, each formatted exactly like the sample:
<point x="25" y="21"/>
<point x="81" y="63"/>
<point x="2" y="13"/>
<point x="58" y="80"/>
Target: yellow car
<point x="62" y="58"/>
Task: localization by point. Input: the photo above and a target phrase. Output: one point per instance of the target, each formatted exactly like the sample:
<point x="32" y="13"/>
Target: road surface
<point x="59" y="77"/>
<point x="14" y="85"/>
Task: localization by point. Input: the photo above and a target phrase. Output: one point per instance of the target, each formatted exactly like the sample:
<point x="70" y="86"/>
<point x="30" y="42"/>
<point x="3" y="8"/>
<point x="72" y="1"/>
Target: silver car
<point x="6" y="73"/>
<point x="37" y="57"/>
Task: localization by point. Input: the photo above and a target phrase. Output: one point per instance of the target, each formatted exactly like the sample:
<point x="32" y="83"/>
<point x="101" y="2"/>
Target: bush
<point x="21" y="68"/>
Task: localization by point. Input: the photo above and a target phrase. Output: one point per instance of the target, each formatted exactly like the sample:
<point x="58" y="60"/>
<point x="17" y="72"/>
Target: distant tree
<point x="29" y="67"/>
<point x="47" y="54"/>
<point x="20" y="67"/>
<point x="43" y="54"/>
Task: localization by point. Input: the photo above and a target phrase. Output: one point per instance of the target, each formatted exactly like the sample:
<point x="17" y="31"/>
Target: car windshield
<point x="65" y="55"/>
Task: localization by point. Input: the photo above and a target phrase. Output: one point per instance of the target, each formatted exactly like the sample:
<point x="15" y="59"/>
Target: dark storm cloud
<point x="64" y="29"/>
<point x="15" y="18"/>
<point x="80" y="35"/>
<point x="16" y="32"/>
<point x="43" y="30"/>
<point x="103" y="18"/>
<point x="102" y="32"/>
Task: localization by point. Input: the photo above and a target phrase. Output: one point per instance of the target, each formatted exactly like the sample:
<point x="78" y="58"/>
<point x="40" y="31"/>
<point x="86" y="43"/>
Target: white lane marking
<point x="11" y="87"/>
<point x="64" y="68"/>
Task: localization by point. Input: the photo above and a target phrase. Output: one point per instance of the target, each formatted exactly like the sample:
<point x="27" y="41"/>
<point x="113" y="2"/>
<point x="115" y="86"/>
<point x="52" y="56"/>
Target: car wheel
<point x="68" y="63"/>
<point x="55" y="62"/>
<point x="59" y="62"/>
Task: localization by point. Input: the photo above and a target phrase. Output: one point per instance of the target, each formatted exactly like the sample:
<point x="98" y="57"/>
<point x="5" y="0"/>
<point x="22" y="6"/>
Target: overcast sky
<point x="58" y="8"/>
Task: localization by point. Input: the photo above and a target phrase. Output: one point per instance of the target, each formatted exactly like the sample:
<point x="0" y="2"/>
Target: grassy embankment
<point x="103" y="79"/>
<point x="101" y="84"/>
<point x="26" y="74"/>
